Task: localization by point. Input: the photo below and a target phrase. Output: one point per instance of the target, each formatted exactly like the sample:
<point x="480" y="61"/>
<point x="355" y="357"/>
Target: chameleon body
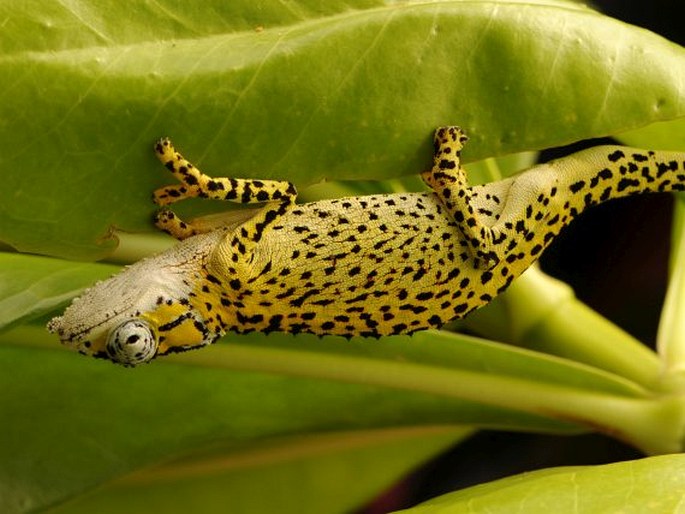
<point x="370" y="266"/>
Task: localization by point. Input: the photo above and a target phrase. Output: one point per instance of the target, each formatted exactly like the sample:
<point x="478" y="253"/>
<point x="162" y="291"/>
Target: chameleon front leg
<point x="278" y="196"/>
<point x="447" y="178"/>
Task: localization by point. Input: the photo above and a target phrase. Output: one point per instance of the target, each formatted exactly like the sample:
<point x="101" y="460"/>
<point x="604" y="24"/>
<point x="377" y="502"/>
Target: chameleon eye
<point x="132" y="343"/>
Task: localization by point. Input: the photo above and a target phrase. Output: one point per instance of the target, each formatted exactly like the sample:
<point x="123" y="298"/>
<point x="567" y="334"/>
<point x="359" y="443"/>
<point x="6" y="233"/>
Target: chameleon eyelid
<point x="132" y="342"/>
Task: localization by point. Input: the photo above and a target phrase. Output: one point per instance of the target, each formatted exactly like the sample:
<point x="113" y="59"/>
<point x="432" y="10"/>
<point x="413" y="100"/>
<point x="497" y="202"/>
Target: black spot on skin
<point x="286" y="294"/>
<point x="399" y="328"/>
<point x="213" y="279"/>
<point x="419" y="274"/>
<point x="247" y="193"/>
<point x="605" y="174"/>
<point x="275" y="322"/>
<point x="485" y="277"/>
<point x="299" y="301"/>
<point x="615" y="156"/>
<point x="359" y="298"/>
<point x="662" y="168"/>
<point x="461" y="308"/>
<point x="266" y="269"/>
<point x="577" y="186"/>
<point x="174" y="323"/>
<point x="435" y="320"/>
<point x="625" y="183"/>
<point x="446" y="164"/>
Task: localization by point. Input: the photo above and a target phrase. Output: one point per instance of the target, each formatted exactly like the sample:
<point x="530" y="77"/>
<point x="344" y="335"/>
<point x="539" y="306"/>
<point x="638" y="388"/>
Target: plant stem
<point x="671" y="334"/>
<point x="651" y="424"/>
<point x="541" y="313"/>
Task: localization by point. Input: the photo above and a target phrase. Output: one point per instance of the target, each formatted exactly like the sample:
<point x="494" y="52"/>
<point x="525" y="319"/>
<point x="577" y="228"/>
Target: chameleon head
<point x="134" y="316"/>
<point x="121" y="338"/>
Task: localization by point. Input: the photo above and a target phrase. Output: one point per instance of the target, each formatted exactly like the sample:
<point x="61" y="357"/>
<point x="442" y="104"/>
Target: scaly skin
<point x="370" y="266"/>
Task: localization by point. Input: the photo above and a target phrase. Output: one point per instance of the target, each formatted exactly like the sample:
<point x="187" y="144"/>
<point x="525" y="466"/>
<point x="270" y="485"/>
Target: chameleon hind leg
<point x="276" y="195"/>
<point x="447" y="178"/>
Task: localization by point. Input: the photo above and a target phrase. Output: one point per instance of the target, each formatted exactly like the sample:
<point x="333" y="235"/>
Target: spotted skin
<point x="370" y="266"/>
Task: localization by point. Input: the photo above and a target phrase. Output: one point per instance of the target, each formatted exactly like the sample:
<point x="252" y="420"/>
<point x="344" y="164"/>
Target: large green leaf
<point x="649" y="485"/>
<point x="91" y="422"/>
<point x="318" y="92"/>
<point x="322" y="474"/>
<point x="71" y="423"/>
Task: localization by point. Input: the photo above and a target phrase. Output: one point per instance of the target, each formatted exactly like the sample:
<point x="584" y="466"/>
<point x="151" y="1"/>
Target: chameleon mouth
<point x="54" y="326"/>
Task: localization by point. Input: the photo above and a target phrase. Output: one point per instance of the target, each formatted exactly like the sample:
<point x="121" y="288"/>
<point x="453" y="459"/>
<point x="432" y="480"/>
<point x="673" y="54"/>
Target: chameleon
<point x="369" y="266"/>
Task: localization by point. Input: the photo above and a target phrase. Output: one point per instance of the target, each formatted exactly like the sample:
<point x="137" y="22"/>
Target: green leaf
<point x="654" y="484"/>
<point x="31" y="286"/>
<point x="319" y="474"/>
<point x="71" y="423"/>
<point x="319" y="92"/>
<point x="79" y="414"/>
<point x="666" y="135"/>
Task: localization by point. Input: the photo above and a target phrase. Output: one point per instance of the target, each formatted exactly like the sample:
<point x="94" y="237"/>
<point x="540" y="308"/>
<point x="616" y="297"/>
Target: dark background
<point x="615" y="257"/>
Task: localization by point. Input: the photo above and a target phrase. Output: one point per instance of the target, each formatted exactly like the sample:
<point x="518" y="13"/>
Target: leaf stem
<point x="542" y="313"/>
<point x="651" y="424"/>
<point x="671" y="334"/>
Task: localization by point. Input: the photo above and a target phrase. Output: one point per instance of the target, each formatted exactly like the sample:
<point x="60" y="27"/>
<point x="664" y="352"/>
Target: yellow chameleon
<point x="369" y="266"/>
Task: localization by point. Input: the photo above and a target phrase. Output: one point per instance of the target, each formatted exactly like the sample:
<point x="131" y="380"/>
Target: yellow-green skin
<point x="370" y="266"/>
